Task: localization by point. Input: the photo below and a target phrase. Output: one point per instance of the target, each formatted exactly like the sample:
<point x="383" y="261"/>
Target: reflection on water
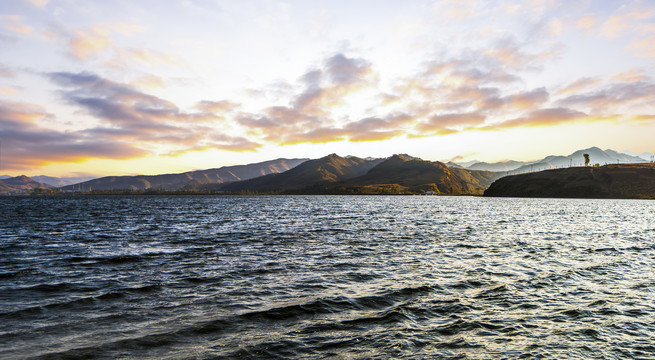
<point x="321" y="276"/>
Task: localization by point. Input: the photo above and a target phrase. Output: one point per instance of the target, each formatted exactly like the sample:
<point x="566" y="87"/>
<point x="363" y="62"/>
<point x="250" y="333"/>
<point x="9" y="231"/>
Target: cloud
<point x="465" y="72"/>
<point x="555" y="27"/>
<point x="586" y="23"/>
<point x="14" y="23"/>
<point x="39" y="3"/>
<point x="9" y="91"/>
<point x="579" y="85"/>
<point x="378" y="128"/>
<point x="126" y="57"/>
<point x="634" y="75"/>
<point x="86" y="43"/>
<point x="329" y="86"/>
<point x="344" y="71"/>
<point x="149" y="81"/>
<point x="221" y="106"/>
<point x="644" y="47"/>
<point x="542" y="117"/>
<point x="6" y="73"/>
<point x="307" y="117"/>
<point x="457" y="10"/>
<point x="526" y="100"/>
<point x="27" y="144"/>
<point x="510" y="55"/>
<point x="643" y="118"/>
<point x="616" y="25"/>
<point x="131" y="115"/>
<point x="614" y="95"/>
<point x="448" y="123"/>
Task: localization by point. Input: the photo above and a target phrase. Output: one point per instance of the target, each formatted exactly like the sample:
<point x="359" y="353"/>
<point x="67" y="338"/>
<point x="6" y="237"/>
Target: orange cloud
<point x="447" y="123"/>
<point x="614" y="26"/>
<point x="509" y="54"/>
<point x="9" y="91"/>
<point x="635" y="75"/>
<point x="586" y="23"/>
<point x="541" y="117"/>
<point x="149" y="81"/>
<point x="39" y="3"/>
<point x="6" y="73"/>
<point x="87" y="43"/>
<point x="147" y="57"/>
<point x="14" y="24"/>
<point x="643" y="118"/>
<point x="579" y="85"/>
<point x="219" y="107"/>
<point x="644" y="47"/>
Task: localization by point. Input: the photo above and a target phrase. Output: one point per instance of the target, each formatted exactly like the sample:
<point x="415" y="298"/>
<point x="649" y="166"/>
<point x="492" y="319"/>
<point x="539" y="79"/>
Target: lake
<point x="315" y="277"/>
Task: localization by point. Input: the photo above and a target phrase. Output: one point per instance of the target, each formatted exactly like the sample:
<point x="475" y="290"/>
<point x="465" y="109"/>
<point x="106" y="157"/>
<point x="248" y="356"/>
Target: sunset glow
<point x="123" y="87"/>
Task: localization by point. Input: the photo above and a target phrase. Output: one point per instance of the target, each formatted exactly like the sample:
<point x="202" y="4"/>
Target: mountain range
<point x="331" y="174"/>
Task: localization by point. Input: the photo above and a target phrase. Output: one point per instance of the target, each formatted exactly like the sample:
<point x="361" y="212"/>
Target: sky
<point x="148" y="87"/>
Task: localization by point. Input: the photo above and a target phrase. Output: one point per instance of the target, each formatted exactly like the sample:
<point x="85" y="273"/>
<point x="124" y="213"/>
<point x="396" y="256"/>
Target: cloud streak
<point x="27" y="144"/>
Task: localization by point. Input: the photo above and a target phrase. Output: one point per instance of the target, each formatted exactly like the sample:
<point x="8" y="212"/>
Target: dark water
<point x="326" y="277"/>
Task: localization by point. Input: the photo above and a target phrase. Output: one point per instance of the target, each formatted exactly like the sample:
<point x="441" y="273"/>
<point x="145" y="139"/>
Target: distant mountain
<point x="498" y="166"/>
<point x="61" y="181"/>
<point x="2" y="177"/>
<point x="326" y="170"/>
<point x="596" y="156"/>
<point x="621" y="181"/>
<point x="187" y="180"/>
<point x="648" y="156"/>
<point x="20" y="184"/>
<point x="463" y="164"/>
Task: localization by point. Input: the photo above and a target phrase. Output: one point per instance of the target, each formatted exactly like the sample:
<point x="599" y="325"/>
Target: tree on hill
<point x="586" y="159"/>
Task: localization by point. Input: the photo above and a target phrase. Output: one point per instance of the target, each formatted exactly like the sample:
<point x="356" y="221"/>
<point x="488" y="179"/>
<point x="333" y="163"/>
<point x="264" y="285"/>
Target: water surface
<point x="326" y="277"/>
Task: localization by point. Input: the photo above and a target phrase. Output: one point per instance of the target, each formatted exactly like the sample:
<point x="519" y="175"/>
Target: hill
<point x="317" y="172"/>
<point x="187" y="180"/>
<point x="402" y="173"/>
<point x="619" y="181"/>
<point x="20" y="184"/>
